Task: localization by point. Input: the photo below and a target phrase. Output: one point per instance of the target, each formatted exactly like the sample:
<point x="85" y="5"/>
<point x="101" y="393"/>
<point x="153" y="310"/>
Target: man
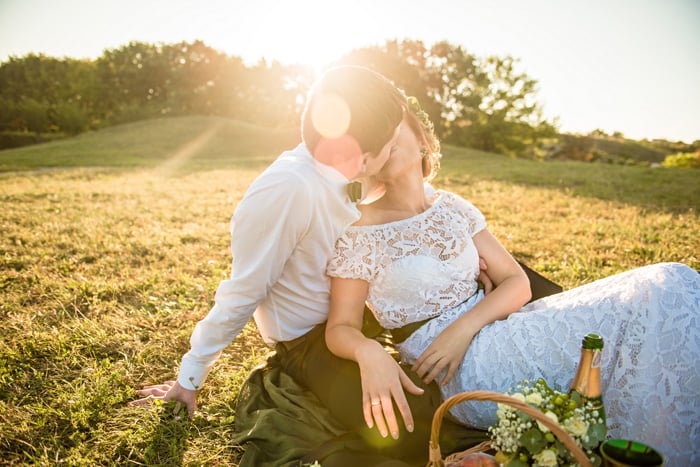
<point x="283" y="233"/>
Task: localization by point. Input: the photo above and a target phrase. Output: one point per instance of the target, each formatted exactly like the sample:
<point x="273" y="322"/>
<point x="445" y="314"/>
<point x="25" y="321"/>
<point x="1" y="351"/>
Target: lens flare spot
<point x="330" y="115"/>
<point x="342" y="152"/>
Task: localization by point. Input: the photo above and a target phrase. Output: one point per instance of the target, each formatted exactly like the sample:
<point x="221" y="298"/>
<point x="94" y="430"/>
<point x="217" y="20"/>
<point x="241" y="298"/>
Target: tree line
<point x="480" y="102"/>
<point x="483" y="103"/>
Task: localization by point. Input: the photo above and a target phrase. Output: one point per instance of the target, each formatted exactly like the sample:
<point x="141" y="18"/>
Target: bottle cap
<point x="592" y="341"/>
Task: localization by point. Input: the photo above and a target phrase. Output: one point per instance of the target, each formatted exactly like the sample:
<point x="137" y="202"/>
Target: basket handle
<point x="435" y="455"/>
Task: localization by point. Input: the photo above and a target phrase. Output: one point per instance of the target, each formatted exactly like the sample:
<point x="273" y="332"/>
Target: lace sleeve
<point x="476" y="222"/>
<point x="353" y="257"/>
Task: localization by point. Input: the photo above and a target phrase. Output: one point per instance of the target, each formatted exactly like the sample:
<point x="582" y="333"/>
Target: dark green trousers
<point x="336" y="383"/>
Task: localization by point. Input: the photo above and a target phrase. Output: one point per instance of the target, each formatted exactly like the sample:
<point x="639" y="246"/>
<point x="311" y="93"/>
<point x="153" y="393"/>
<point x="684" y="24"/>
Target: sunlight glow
<point x="188" y="151"/>
<point x="330" y="115"/>
<point x="343" y="153"/>
<point x="652" y="93"/>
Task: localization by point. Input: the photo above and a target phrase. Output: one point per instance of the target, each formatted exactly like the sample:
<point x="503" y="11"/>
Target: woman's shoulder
<point x="450" y="198"/>
<point x="456" y="204"/>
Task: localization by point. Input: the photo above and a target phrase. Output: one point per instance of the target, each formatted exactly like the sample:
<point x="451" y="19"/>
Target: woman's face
<point x="404" y="156"/>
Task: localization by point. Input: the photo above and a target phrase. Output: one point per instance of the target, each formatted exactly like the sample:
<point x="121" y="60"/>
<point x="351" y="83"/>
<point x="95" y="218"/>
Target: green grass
<point x="193" y="141"/>
<point x="108" y="262"/>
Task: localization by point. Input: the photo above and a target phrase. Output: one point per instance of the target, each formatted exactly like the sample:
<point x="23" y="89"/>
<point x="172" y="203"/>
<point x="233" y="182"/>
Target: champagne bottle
<point x="585" y="388"/>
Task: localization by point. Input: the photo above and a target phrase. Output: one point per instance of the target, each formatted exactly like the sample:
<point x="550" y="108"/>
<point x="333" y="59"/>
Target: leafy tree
<point x="33" y="86"/>
<point x="507" y="118"/>
<point x="70" y="118"/>
<point x="406" y="64"/>
<point x="273" y="94"/>
<point x="33" y="115"/>
<point x="482" y="103"/>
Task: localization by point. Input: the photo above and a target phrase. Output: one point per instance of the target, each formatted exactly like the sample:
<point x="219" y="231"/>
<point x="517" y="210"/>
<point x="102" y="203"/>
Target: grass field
<point x="113" y="244"/>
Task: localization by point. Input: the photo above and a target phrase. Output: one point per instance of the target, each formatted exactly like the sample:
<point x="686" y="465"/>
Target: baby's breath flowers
<point x="521" y="441"/>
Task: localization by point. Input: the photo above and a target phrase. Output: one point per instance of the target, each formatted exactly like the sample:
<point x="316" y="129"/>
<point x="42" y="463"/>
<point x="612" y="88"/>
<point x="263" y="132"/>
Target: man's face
<point x="374" y="163"/>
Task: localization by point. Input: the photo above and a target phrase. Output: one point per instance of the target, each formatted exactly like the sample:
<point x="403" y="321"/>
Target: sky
<point x="631" y="66"/>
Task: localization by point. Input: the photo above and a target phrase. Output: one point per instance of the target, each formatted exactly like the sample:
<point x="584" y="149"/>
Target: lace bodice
<point x="417" y="267"/>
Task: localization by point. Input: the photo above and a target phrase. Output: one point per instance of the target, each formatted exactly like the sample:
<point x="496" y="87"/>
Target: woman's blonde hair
<point x="422" y="126"/>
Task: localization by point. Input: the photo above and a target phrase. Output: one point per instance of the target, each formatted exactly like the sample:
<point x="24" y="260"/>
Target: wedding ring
<point x="376" y="403"/>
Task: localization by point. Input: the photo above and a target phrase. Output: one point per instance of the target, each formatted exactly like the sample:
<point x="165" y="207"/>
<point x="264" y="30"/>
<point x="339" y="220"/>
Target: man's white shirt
<point x="282" y="236"/>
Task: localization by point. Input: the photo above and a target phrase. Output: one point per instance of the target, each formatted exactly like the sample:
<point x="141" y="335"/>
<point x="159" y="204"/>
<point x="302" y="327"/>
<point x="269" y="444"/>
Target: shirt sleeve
<point x="265" y="228"/>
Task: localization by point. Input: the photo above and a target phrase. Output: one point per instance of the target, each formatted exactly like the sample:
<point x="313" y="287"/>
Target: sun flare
<point x="314" y="33"/>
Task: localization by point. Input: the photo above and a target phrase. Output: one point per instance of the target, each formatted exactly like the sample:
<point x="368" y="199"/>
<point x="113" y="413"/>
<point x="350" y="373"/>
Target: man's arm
<point x="265" y="229"/>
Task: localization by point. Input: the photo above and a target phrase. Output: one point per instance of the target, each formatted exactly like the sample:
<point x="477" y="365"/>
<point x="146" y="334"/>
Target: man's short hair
<point x="375" y="105"/>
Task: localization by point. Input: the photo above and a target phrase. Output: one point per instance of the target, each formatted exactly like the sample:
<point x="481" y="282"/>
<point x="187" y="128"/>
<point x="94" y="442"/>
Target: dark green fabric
<point x="280" y="423"/>
<point x="277" y="420"/>
<point x="540" y="286"/>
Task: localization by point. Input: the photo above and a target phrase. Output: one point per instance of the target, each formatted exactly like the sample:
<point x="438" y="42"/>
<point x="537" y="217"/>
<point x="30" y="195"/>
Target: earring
<point x="423" y="152"/>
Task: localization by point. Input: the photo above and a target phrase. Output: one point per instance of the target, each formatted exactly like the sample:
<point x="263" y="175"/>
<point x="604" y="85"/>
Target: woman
<point x="414" y="259"/>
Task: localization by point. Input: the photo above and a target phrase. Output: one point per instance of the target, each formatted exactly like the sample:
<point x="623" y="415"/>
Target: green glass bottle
<point x="586" y="389"/>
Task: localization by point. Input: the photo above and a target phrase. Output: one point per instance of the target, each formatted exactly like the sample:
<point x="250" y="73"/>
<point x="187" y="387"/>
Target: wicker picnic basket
<point x="435" y="455"/>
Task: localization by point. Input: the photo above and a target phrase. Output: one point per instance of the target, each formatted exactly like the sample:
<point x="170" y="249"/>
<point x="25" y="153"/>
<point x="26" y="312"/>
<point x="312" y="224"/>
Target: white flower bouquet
<point x="522" y="441"/>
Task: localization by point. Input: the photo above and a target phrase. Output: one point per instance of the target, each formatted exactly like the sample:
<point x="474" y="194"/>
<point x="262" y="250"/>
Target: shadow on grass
<point x="168" y="444"/>
<point x="657" y="189"/>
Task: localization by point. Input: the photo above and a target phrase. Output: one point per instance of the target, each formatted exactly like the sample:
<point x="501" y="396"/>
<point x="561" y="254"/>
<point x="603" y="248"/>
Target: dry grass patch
<point x="105" y="271"/>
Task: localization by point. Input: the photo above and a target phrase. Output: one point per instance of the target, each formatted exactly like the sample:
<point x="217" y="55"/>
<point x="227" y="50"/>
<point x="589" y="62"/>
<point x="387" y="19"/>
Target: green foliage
<point x="516" y="435"/>
<point x="508" y="119"/>
<point x="683" y="159"/>
<point x="70" y="118"/>
<point x="16" y="139"/>
<point x="33" y="114"/>
<point x="105" y="269"/>
<point x="483" y="103"/>
<point x="40" y="93"/>
<point x="140" y="81"/>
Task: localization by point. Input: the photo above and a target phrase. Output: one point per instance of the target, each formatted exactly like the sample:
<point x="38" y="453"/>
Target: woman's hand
<point x="446" y="352"/>
<point x="511" y="290"/>
<point x="383" y="380"/>
<point x="169" y="390"/>
<point x="383" y="383"/>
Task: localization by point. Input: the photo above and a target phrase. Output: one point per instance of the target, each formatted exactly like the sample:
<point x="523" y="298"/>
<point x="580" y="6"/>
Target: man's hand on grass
<point x="169" y="390"/>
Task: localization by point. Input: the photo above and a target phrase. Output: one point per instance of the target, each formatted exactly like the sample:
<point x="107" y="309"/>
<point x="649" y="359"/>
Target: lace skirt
<point x="650" y="320"/>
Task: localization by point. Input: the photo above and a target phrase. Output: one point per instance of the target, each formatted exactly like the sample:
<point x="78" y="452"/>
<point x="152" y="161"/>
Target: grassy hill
<point x="610" y="149"/>
<point x="203" y="141"/>
<point x="107" y="263"/>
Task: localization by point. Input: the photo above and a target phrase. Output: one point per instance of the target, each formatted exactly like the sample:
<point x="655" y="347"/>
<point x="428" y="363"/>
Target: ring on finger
<point x="376" y="403"/>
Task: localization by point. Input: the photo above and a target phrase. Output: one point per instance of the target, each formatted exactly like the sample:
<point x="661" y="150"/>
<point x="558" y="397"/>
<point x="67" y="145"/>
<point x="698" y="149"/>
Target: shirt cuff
<point x="192" y="373"/>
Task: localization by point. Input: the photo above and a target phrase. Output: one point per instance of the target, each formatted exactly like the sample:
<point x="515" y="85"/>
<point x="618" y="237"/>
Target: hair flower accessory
<point x="414" y="106"/>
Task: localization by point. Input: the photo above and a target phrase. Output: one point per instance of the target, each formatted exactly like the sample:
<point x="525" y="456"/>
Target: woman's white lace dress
<point x="427" y="265"/>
